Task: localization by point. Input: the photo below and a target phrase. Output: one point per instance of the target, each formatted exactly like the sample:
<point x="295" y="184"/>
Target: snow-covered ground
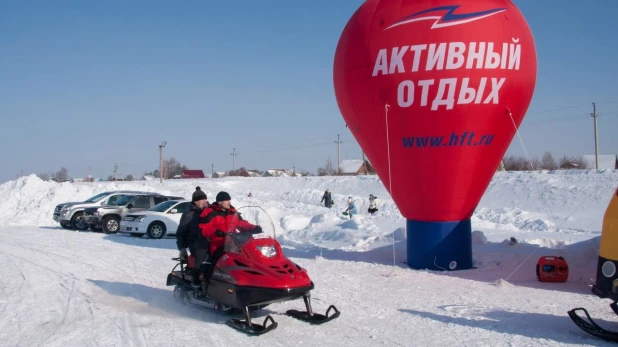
<point x="68" y="288"/>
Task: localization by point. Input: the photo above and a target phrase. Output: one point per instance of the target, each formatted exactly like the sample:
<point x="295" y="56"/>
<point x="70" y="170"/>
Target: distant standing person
<point x="373" y="205"/>
<point x="327" y="199"/>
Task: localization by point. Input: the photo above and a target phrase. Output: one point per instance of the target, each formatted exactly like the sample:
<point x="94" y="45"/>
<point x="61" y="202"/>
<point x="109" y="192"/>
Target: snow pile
<point x="91" y="288"/>
<point x="512" y="219"/>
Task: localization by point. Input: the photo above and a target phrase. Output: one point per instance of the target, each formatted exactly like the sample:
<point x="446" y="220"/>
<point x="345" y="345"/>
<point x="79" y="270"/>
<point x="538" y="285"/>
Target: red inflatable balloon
<point x="433" y="91"/>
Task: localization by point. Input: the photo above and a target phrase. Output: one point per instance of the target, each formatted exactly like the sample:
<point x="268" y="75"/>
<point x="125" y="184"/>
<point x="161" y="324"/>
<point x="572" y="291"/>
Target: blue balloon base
<point x="439" y="245"/>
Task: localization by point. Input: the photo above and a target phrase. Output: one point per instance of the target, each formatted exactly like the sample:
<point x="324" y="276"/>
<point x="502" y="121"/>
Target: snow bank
<point x="533" y="203"/>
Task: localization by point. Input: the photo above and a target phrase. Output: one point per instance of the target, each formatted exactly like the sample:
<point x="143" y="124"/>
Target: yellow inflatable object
<point x="607" y="268"/>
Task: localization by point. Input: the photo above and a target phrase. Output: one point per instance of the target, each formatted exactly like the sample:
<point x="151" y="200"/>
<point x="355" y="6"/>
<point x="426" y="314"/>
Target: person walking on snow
<point x="327" y="199"/>
<point x="351" y="210"/>
<point x="373" y="205"/>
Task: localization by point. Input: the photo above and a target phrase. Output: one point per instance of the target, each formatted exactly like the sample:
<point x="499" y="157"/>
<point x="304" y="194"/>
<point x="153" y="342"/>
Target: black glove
<point x="182" y="254"/>
<point x="257" y="230"/>
<point x="219" y="233"/>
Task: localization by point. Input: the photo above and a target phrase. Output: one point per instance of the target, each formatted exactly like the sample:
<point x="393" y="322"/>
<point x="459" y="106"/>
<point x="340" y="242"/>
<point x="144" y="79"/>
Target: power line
<point x="559" y="119"/>
<point x="568" y="118"/>
<point x="570" y="107"/>
<point x="557" y="109"/>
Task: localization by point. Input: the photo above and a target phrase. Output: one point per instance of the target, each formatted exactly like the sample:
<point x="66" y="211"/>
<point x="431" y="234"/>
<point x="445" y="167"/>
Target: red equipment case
<point x="552" y="269"/>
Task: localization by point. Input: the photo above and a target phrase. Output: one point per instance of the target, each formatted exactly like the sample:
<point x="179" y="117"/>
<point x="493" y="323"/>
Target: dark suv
<point x="108" y="216"/>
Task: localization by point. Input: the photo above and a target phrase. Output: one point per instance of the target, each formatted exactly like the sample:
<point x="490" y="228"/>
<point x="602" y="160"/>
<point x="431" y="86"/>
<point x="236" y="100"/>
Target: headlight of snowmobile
<point x="268" y="251"/>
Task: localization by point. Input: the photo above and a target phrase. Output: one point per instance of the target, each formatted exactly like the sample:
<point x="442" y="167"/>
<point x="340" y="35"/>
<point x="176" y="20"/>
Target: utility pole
<point x="212" y="169"/>
<point x="338" y="155"/>
<point x="596" y="141"/>
<point x="364" y="163"/>
<point x="89" y="175"/>
<point x="233" y="154"/>
<point x="293" y="170"/>
<point x="116" y="172"/>
<point x="161" y="160"/>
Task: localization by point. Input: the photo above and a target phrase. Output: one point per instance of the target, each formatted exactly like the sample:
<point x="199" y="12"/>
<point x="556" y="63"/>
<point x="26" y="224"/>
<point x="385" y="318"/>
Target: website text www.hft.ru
<point x="463" y="139"/>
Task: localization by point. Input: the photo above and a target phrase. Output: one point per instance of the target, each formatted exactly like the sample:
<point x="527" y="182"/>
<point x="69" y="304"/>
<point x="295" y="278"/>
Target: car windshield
<point x="162" y="207"/>
<point x="97" y="197"/>
<point x="124" y="200"/>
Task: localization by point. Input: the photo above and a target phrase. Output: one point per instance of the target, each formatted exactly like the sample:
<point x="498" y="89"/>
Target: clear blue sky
<point x="94" y="83"/>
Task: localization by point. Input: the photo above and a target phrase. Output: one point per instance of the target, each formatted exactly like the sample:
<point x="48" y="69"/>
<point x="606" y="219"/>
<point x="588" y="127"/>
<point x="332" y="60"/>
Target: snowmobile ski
<point x="250" y="328"/>
<point x="313" y="318"/>
<point x="614" y="307"/>
<point x="591" y="327"/>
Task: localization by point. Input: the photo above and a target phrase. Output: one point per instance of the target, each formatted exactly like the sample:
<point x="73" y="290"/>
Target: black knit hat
<point x="198" y="195"/>
<point x="223" y="196"/>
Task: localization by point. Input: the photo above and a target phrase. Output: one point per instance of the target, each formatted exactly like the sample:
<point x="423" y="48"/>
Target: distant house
<point x="605" y="161"/>
<point x="254" y="173"/>
<point x="219" y="174"/>
<point x="193" y="174"/>
<point x="275" y="173"/>
<point x="353" y="167"/>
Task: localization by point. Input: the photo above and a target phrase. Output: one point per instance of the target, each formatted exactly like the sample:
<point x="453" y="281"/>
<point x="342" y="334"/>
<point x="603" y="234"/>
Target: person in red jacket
<point x="218" y="219"/>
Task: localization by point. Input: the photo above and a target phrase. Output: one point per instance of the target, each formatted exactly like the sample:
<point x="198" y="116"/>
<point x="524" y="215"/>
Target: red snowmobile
<point x="251" y="273"/>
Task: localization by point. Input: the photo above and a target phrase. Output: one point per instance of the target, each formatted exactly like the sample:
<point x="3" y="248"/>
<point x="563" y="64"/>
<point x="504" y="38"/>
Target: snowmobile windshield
<point x="244" y="232"/>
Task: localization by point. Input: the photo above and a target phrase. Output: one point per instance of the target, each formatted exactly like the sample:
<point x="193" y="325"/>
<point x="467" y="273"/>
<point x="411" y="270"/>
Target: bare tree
<point x="517" y="163"/>
<point x="172" y="167"/>
<point x="62" y="175"/>
<point x="328" y="170"/>
<point x="536" y="164"/>
<point x="569" y="163"/>
<point x="242" y="172"/>
<point x="129" y="177"/>
<point x="548" y="162"/>
<point x="514" y="163"/>
<point x="110" y="178"/>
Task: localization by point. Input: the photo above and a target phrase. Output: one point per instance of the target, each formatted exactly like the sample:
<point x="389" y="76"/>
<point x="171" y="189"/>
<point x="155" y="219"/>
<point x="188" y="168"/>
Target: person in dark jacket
<point x="218" y="219"/>
<point x="327" y="198"/>
<point x="188" y="234"/>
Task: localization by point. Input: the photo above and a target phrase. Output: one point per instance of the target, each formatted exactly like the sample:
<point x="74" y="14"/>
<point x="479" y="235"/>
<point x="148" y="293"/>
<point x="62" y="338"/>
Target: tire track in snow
<point x="64" y="312"/>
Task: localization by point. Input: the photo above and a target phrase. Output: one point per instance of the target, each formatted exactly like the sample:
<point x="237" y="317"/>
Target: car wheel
<point x="111" y="224"/>
<point x="78" y="222"/>
<point x="65" y="225"/>
<point x="156" y="230"/>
